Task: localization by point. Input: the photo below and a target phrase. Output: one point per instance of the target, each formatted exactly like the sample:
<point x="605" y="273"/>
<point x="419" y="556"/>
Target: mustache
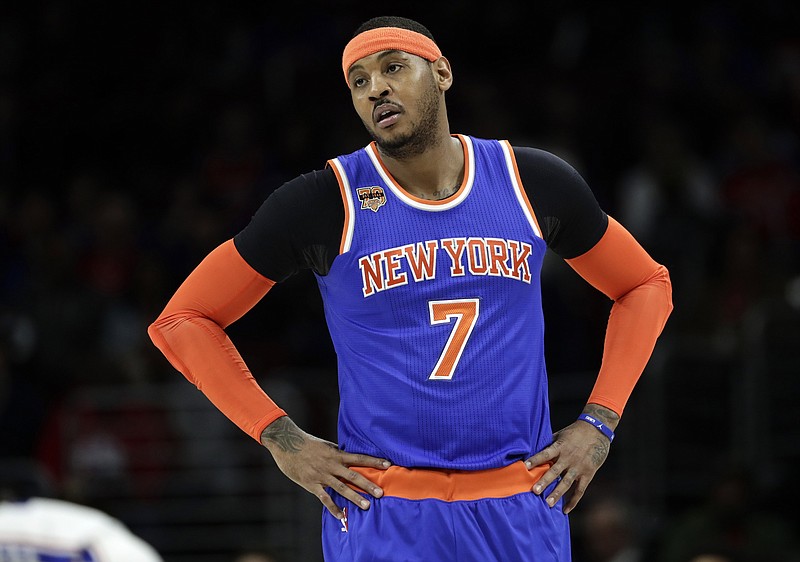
<point x="381" y="102"/>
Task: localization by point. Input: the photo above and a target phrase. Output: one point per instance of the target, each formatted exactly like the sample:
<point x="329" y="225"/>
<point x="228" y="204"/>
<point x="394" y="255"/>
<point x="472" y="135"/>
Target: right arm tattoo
<point x="285" y="434"/>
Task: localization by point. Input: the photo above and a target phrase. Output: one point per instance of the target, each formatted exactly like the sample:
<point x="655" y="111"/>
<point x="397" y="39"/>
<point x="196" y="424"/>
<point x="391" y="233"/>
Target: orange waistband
<point x="453" y="485"/>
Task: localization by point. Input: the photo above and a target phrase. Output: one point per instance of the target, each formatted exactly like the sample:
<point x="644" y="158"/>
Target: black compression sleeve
<point x="299" y="226"/>
<point x="571" y="220"/>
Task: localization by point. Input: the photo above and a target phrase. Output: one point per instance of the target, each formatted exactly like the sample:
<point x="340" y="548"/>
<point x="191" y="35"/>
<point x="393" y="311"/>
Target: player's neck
<point x="434" y="174"/>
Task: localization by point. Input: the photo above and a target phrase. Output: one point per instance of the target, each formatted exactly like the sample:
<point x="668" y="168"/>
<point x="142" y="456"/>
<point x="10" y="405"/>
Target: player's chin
<point x="392" y="138"/>
<point x="384" y="135"/>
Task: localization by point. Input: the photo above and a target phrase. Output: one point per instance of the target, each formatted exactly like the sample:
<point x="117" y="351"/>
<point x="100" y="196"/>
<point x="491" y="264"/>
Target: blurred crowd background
<point x="135" y="138"/>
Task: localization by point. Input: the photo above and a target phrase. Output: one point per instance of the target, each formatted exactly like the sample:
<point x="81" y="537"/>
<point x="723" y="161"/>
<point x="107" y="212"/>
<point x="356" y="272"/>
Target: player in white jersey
<point x="52" y="530"/>
<point x="35" y="526"/>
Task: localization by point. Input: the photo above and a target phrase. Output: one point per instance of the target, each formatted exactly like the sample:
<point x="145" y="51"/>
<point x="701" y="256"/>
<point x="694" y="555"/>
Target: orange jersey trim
<point x="190" y="333"/>
<point x="344" y="191"/>
<point x="453" y="485"/>
<point x="521" y="187"/>
<point x="428" y="202"/>
<point x="642" y="293"/>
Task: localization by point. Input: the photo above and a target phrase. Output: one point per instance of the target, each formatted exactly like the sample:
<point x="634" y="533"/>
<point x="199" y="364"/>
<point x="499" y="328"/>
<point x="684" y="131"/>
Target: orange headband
<point x="385" y="39"/>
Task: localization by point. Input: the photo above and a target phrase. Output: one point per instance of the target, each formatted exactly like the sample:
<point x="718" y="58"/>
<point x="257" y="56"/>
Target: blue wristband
<point x="604" y="429"/>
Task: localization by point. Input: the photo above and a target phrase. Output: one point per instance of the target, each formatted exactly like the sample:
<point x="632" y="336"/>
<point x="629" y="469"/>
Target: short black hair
<point x="394" y="21"/>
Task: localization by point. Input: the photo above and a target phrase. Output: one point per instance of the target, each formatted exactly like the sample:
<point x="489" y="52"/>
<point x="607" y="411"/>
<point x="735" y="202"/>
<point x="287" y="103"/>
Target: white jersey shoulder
<point x="51" y="525"/>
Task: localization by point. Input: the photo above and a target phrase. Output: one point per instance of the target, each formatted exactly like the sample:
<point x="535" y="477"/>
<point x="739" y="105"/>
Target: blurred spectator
<point x="255" y="556"/>
<point x="670" y="186"/>
<point x="23" y="403"/>
<point x="715" y="553"/>
<point x="608" y="531"/>
<point x="733" y="517"/>
<point x="672" y="190"/>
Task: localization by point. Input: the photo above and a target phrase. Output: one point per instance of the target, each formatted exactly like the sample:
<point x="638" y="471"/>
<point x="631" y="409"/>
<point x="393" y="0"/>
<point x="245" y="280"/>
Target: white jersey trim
<point x="350" y="214"/>
<point x="418" y="204"/>
<point x="521" y="197"/>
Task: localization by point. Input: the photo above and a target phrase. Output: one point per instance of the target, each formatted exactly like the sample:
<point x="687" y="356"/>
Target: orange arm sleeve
<point x="190" y="333"/>
<point x="642" y="293"/>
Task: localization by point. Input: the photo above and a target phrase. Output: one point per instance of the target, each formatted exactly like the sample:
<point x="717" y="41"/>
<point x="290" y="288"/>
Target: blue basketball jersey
<point x="434" y="309"/>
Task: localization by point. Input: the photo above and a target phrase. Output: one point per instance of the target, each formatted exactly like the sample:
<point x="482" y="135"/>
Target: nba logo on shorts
<point x="344" y="519"/>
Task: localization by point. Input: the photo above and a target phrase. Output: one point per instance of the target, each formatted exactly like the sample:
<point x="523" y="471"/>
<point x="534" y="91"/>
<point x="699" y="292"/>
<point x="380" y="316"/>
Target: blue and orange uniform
<point x="434" y="309"/>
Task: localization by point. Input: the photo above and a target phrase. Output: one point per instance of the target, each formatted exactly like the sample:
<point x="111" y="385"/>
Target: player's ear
<point x="442" y="73"/>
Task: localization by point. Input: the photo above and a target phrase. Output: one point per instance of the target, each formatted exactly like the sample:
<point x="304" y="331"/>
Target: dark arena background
<point x="136" y="137"/>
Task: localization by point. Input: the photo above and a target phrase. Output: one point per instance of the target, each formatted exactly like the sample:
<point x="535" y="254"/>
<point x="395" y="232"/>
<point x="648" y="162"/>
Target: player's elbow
<point x="664" y="280"/>
<point x="175" y="332"/>
<point x="662" y="284"/>
<point x="652" y="296"/>
<point x="158" y="330"/>
<point x="154" y="331"/>
<point x="166" y="326"/>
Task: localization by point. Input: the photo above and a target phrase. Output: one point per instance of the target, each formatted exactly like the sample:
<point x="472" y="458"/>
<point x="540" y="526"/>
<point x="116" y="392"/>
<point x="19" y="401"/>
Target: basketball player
<point x="36" y="527"/>
<point x="427" y="248"/>
<point x="53" y="530"/>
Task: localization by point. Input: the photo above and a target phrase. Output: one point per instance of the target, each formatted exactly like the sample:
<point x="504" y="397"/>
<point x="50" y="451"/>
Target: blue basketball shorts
<point x="517" y="527"/>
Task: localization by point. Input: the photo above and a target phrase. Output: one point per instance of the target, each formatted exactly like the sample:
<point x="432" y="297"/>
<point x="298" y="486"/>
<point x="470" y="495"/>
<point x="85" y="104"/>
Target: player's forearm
<point x="189" y="332"/>
<point x="634" y="325"/>
<point x="642" y="293"/>
<point x="205" y="355"/>
<point x="283" y="434"/>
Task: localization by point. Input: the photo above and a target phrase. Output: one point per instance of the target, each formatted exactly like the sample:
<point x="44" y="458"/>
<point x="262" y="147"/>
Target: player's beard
<point x="422" y="137"/>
